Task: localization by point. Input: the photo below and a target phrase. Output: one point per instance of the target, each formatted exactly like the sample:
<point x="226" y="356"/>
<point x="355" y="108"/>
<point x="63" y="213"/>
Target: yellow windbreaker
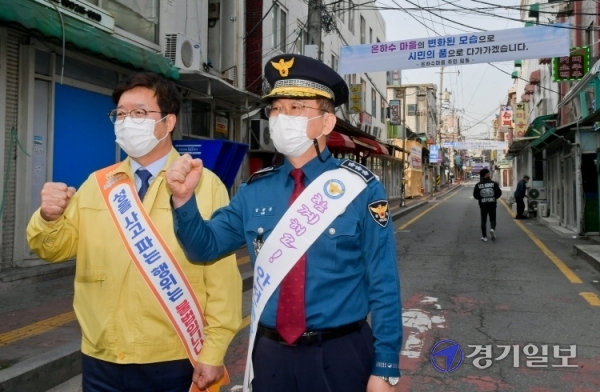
<point x="121" y="320"/>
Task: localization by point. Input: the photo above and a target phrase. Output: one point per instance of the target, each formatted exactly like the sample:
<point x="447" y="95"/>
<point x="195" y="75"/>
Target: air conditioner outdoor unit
<point x="260" y="136"/>
<point x="536" y="197"/>
<point x="536" y="193"/>
<point x="183" y="51"/>
<point x="532" y="205"/>
<point x="377" y="132"/>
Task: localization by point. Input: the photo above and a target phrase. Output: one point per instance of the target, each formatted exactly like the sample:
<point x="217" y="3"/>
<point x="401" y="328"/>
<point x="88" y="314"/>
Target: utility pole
<point x="405" y="156"/>
<point x="439" y="129"/>
<point x="314" y="25"/>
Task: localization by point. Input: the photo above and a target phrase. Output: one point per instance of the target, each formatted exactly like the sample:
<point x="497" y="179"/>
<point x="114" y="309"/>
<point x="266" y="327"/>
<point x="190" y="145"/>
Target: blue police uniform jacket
<point x="351" y="268"/>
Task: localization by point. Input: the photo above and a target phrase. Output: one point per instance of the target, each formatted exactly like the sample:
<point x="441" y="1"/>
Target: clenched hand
<point x="182" y="178"/>
<point x="206" y="375"/>
<point x="55" y="199"/>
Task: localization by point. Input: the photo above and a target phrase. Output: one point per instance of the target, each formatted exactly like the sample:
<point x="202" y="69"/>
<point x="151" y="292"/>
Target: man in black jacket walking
<point x="487" y="192"/>
<point x="520" y="193"/>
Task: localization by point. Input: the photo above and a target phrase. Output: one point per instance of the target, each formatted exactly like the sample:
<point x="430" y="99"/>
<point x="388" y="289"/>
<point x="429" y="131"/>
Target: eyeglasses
<point x="294" y="110"/>
<point x="138" y="116"/>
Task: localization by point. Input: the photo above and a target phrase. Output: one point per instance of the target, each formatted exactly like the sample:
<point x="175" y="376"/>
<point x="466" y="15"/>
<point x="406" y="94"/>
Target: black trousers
<point x="341" y="364"/>
<point x="487" y="209"/>
<point x="520" y="207"/>
<point x="102" y="376"/>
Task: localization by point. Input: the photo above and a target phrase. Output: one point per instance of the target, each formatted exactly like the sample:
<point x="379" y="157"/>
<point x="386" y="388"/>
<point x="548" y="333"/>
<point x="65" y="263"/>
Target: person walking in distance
<point x="321" y="240"/>
<point x="138" y="300"/>
<point x="487" y="192"/>
<point x="520" y="194"/>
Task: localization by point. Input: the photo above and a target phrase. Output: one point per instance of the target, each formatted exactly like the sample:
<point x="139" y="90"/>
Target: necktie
<point x="291" y="315"/>
<point x="144" y="175"/>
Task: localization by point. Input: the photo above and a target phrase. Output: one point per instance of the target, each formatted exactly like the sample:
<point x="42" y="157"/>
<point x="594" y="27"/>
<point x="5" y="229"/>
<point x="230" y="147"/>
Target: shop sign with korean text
<point x="356" y="98"/>
<point x="520" y="119"/>
<point x="84" y="12"/>
<point x="394" y="112"/>
<point x="506" y="120"/>
<point x="434" y="154"/>
<point x="416" y="153"/>
<point x="459" y="49"/>
<point x="572" y="67"/>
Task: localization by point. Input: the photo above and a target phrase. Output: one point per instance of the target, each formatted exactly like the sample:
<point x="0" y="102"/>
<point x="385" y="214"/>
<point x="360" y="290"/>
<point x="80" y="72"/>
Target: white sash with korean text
<point x="155" y="261"/>
<point x="313" y="211"/>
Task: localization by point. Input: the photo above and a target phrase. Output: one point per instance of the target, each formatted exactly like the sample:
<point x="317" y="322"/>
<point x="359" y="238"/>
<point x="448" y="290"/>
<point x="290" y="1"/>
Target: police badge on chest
<point x="258" y="242"/>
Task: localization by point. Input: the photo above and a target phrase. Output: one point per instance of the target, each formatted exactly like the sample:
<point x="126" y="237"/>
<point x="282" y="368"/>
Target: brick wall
<point x="253" y="48"/>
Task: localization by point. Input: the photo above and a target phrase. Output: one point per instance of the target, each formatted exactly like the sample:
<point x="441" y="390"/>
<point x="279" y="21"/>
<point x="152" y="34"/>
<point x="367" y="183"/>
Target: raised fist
<point x="55" y="199"/>
<point x="182" y="178"/>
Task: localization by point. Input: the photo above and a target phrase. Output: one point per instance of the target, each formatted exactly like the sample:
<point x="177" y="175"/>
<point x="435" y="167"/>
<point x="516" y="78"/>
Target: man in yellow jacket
<point x="129" y="342"/>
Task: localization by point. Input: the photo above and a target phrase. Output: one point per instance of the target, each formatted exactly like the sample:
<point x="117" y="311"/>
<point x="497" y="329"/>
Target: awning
<point x="547" y="138"/>
<point x="343" y="126"/>
<point x="217" y="88"/>
<point x="338" y="140"/>
<point x="35" y="16"/>
<point x="534" y="77"/>
<point x="372" y="145"/>
<point x="518" y="145"/>
<point x="541" y="124"/>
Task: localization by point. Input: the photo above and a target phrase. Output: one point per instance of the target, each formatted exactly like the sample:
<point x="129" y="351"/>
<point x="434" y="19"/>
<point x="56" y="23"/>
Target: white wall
<point x="297" y="14"/>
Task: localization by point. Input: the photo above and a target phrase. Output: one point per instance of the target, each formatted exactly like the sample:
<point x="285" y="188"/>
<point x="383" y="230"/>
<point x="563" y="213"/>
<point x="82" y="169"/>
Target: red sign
<point x="365" y="118"/>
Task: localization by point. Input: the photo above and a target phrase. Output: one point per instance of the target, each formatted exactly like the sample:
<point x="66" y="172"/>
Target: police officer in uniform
<point x="349" y="271"/>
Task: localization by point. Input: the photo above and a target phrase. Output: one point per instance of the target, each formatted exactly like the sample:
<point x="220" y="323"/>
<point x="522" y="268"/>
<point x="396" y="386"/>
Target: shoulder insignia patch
<point x="260" y="173"/>
<point x="380" y="212"/>
<point x="358" y="169"/>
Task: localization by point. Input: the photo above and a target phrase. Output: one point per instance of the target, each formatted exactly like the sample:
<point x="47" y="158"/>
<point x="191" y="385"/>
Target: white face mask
<point x="289" y="134"/>
<point x="136" y="139"/>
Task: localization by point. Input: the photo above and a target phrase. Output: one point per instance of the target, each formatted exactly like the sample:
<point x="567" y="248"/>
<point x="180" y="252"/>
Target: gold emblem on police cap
<point x="283" y="66"/>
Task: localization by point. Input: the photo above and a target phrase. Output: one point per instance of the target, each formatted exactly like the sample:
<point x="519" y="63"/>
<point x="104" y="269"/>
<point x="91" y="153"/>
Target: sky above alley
<point x="478" y="89"/>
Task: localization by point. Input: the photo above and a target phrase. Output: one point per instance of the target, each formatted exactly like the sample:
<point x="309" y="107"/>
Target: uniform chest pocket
<point x="338" y="245"/>
<point x="257" y="231"/>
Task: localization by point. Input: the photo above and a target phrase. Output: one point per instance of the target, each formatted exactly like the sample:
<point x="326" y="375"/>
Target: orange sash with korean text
<point x="155" y="262"/>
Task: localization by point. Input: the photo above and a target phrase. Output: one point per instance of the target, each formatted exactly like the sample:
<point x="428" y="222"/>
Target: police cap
<point x="297" y="76"/>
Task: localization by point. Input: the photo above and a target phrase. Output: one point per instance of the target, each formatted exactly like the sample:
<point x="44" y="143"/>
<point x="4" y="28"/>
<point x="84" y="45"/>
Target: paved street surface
<point x="517" y="314"/>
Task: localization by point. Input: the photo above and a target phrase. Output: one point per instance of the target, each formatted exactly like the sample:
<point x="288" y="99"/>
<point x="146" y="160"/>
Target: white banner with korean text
<point x="459" y="49"/>
<point x="477" y="145"/>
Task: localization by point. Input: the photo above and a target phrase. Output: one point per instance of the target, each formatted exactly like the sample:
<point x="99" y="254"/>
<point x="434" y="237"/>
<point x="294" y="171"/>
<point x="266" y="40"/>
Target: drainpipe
<point x="579" y="201"/>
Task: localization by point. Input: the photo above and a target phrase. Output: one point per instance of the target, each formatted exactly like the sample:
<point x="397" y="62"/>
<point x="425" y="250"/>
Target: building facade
<point x="559" y="149"/>
<point x="59" y="62"/>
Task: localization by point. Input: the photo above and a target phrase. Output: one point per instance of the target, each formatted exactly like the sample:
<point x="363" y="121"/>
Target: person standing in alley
<point x="150" y="320"/>
<point x="520" y="194"/>
<point x="321" y="241"/>
<point x="487" y="192"/>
